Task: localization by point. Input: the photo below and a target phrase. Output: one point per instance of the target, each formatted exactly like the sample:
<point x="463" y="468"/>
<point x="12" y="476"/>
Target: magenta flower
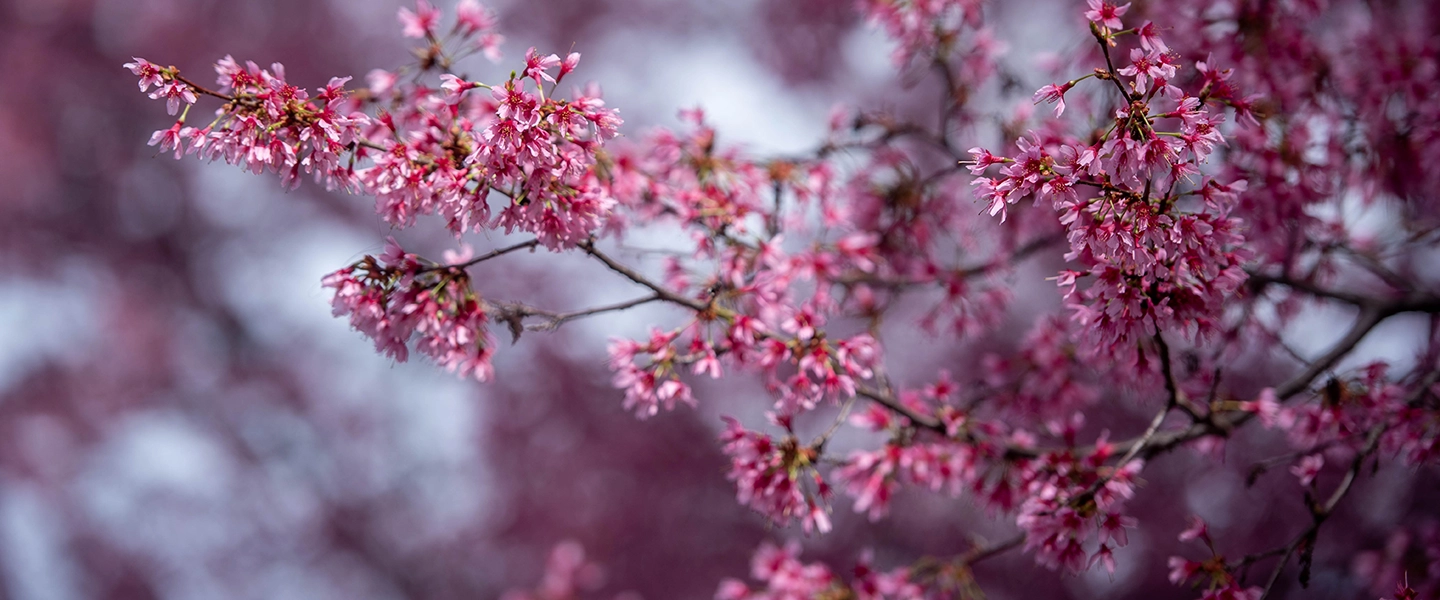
<point x="1103" y="557"/>
<point x="536" y="66"/>
<point x="1150" y="38"/>
<point x="1106" y="14"/>
<point x="455" y="88"/>
<point x="169" y="139"/>
<point x="1182" y="570"/>
<point x="174" y="93"/>
<point x="420" y="23"/>
<point x="1308" y="468"/>
<point x="148" y="72"/>
<point x="1196" y="531"/>
<point x="1145" y="66"/>
<point x="472" y="18"/>
<point x="1054" y="93"/>
<point x="572" y="60"/>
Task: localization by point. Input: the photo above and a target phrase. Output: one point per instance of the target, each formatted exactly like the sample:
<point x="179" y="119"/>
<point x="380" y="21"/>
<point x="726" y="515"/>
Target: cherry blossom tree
<point x="1174" y="285"/>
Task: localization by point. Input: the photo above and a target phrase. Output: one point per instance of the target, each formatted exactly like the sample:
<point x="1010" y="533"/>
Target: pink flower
<point x="769" y="478"/>
<point x="803" y="323"/>
<point x="420" y="23"/>
<point x="174" y="93"/>
<point x="1145" y="66"/>
<point x="1113" y="526"/>
<point x="1182" y="570"/>
<point x="1266" y="407"/>
<point x="873" y="417"/>
<point x="515" y="103"/>
<point x="148" y="72"/>
<point x="1150" y="38"/>
<point x="1308" y="468"/>
<point x="1106" y="14"/>
<point x="694" y="116"/>
<point x="381" y="81"/>
<point x="1103" y="557"/>
<point x="995" y="192"/>
<point x="536" y="66"/>
<point x="1196" y="530"/>
<point x="169" y="139"/>
<point x="785" y="577"/>
<point x="1054" y="93"/>
<point x="709" y="364"/>
<point x="472" y="18"/>
<point x="983" y="160"/>
<point x="459" y="255"/>
<point x="489" y="45"/>
<point x="198" y="137"/>
<point x="870" y="478"/>
<point x="455" y="88"/>
<point x="572" y="60"/>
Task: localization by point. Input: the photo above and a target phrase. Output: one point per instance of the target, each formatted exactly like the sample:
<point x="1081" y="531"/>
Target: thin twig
<point x="986" y="552"/>
<point x="1319" y="513"/>
<point x="664" y="294"/>
<point x="484" y="257"/>
<point x="556" y="320"/>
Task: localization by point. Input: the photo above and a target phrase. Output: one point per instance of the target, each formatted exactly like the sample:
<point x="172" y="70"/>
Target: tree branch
<point x="484" y="257"/>
<point x="660" y="291"/>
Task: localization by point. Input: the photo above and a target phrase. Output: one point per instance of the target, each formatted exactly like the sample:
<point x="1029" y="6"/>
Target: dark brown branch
<point x="893" y="404"/>
<point x="660" y="291"/>
<point x="1020" y="253"/>
<point x="484" y="257"/>
<point x="515" y="314"/>
<point x="986" y="552"/>
<point x="1259" y="281"/>
<point x="1109" y="64"/>
<point x="202" y="89"/>
<point x="1319" y="513"/>
<point x="1369" y="317"/>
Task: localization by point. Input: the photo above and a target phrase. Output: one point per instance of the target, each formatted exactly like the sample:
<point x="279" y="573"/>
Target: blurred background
<point x="181" y="417"/>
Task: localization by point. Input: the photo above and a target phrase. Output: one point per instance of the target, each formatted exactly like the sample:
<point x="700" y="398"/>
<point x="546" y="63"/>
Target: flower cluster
<point x="872" y="476"/>
<point x="1352" y="407"/>
<point x="266" y="124"/>
<point x="1154" y="241"/>
<point x="430" y="150"/>
<point x="567" y="573"/>
<point x="1072" y="499"/>
<point x="445" y="153"/>
<point x="790" y="270"/>
<point x="1044" y="381"/>
<point x="1221" y="584"/>
<point x="649" y="386"/>
<point x="924" y="27"/>
<point x="401" y="305"/>
<point x="777" y="479"/>
<point x="785" y="577"/>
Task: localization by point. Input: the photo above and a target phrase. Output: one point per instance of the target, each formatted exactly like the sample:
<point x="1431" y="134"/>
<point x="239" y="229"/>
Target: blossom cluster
<point x="1073" y="500"/>
<point x="1153" y="238"/>
<point x="777" y="478"/>
<point x="793" y="269"/>
<point x="1215" y="572"/>
<point x="266" y="124"/>
<point x="927" y="29"/>
<point x="400" y="304"/>
<point x="1351" y="409"/>
<point x="785" y="577"/>
<point x="444" y="151"/>
<point x="425" y="150"/>
<point x="568" y="573"/>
